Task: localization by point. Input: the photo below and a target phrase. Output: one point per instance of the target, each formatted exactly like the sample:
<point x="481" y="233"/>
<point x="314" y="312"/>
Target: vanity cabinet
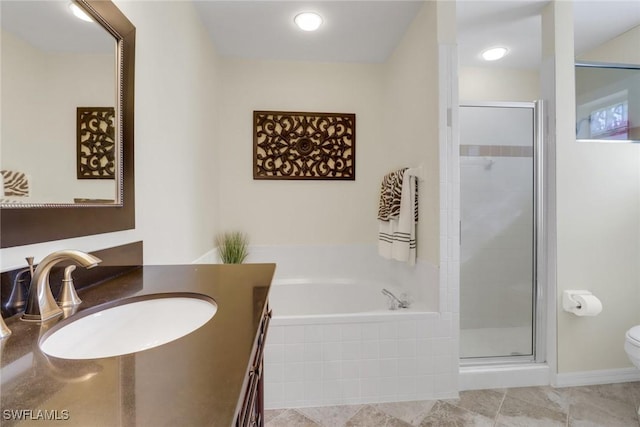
<point x="252" y="411"/>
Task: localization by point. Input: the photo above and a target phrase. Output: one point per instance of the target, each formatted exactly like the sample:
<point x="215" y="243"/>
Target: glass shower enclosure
<point x="499" y="185"/>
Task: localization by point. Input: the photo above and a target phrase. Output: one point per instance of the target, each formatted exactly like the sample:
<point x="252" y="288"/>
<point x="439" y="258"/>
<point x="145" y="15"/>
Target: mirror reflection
<point x="607" y="103"/>
<point x="60" y="136"/>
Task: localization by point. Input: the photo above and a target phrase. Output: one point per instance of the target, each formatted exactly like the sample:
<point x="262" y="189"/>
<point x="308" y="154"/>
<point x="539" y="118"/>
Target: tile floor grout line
<point x="504" y="396"/>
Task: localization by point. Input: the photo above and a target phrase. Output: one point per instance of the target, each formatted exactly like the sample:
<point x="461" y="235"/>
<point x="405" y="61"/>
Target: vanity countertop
<point x="196" y="380"/>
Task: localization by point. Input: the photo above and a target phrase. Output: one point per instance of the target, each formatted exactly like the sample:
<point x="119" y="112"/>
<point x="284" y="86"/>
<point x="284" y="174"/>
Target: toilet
<point x="632" y="345"/>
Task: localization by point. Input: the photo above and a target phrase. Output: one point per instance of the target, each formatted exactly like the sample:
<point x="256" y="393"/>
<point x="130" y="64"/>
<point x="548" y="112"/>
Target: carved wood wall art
<point x="96" y="143"/>
<point x="291" y="145"/>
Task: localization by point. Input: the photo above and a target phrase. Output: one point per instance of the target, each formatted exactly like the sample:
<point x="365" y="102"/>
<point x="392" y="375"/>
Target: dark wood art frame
<point x="23" y="226"/>
<point x="304" y="146"/>
<point x="95" y="137"/>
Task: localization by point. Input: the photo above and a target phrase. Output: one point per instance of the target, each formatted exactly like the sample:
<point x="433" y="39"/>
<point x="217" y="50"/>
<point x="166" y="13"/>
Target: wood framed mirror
<point x="39" y="223"/>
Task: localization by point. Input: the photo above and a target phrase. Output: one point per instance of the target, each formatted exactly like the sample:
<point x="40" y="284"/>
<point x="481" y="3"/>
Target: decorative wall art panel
<point x="289" y="145"/>
<point x="96" y="143"/>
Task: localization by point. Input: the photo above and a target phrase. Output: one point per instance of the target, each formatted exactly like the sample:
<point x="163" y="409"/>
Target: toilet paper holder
<point x="574" y="305"/>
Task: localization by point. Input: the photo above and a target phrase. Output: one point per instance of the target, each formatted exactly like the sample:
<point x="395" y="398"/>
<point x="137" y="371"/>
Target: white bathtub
<point x="333" y="342"/>
<point x="302" y="299"/>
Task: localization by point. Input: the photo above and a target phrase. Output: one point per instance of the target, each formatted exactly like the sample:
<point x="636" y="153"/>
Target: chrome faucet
<point x="41" y="306"/>
<point x="395" y="302"/>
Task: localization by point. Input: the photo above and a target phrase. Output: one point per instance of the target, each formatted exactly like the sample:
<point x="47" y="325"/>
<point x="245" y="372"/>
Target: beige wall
<point x="299" y="212"/>
<point x="622" y="49"/>
<point x="411" y="130"/>
<point x="397" y="125"/>
<point x="598" y="219"/>
<point x="492" y="84"/>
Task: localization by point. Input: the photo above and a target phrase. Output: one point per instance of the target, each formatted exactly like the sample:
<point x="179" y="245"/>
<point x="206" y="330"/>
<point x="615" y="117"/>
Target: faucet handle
<point x="68" y="296"/>
<point x="30" y="263"/>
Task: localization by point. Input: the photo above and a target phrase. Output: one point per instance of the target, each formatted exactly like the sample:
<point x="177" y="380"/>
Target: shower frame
<point x="539" y="273"/>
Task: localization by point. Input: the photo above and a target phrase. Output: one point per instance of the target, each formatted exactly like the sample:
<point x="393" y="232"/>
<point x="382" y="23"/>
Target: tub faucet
<point x="395" y="302"/>
<point x="41" y="306"/>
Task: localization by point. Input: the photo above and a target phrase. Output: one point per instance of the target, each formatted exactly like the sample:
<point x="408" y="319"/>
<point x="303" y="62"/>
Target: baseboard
<point x="503" y="376"/>
<point x="606" y="376"/>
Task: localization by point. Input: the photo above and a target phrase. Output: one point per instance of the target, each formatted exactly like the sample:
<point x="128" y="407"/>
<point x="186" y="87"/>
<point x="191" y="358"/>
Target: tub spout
<point x="395" y="302"/>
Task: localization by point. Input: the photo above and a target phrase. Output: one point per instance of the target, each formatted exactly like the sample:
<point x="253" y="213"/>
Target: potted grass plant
<point x="232" y="247"/>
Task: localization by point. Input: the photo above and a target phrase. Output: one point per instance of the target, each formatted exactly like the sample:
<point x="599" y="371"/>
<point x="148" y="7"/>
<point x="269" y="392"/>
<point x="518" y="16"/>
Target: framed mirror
<point x="67" y="142"/>
<point x="607" y="102"/>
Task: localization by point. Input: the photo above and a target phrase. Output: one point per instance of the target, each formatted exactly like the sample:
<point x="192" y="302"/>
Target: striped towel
<point x="15" y="183"/>
<point x="397" y="233"/>
<point x="390" y="194"/>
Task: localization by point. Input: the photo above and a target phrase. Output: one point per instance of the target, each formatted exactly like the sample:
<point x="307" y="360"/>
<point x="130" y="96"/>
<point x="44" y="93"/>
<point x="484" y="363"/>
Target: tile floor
<point x="608" y="405"/>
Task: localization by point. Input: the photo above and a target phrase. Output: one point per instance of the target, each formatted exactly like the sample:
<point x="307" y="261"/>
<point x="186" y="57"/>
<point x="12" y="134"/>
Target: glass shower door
<point x="497" y="248"/>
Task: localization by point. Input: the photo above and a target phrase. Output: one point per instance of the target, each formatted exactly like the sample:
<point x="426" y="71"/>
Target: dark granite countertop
<point x="196" y="380"/>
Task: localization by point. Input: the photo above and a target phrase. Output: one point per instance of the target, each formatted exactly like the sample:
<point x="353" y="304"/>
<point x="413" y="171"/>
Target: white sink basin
<point x="133" y="325"/>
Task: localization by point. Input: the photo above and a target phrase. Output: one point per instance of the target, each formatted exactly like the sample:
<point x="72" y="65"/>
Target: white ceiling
<point x="353" y="31"/>
<point x="516" y="24"/>
<point x="49" y="26"/>
<point x="369" y="30"/>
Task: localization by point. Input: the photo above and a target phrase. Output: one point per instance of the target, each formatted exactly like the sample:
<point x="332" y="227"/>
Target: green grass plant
<point x="232" y="247"/>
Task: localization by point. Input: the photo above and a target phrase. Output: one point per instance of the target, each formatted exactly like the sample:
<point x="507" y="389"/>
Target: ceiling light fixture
<point x="494" y="53"/>
<point x="308" y="21"/>
<point x="78" y="12"/>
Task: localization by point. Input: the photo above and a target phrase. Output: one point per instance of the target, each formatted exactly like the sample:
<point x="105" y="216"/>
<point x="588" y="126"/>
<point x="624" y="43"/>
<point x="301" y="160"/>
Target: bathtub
<point x="334" y="342"/>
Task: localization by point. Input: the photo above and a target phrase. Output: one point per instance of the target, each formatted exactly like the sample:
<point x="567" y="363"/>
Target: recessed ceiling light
<point x="494" y="53"/>
<point x="78" y="12"/>
<point x="308" y="21"/>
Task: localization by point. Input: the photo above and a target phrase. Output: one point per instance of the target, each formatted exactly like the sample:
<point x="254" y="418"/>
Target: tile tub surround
<point x="387" y="358"/>
<point x="609" y="405"/>
<point x="359" y="359"/>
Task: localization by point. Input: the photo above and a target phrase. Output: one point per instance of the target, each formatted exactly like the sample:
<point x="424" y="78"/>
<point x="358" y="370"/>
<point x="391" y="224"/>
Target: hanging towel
<point x="390" y="194"/>
<point x="397" y="233"/>
<point x="14" y="183"/>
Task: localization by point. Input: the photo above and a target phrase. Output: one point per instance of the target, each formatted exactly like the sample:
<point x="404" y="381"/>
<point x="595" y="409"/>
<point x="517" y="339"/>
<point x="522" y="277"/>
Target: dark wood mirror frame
<point x="35" y="225"/>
